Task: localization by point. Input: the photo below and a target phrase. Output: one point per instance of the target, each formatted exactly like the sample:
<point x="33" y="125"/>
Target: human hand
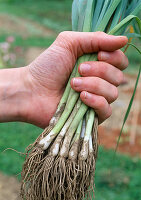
<point x="99" y="81"/>
<point x="45" y="78"/>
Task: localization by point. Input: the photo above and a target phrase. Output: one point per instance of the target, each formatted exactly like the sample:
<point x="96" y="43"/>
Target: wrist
<point x="14" y="94"/>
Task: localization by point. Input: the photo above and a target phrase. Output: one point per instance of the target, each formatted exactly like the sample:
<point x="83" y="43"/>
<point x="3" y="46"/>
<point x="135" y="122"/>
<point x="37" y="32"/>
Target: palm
<point x="50" y="72"/>
<point x="53" y="67"/>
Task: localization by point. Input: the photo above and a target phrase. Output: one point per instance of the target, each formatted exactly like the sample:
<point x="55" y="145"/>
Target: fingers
<point x="80" y="43"/>
<point x="96" y="86"/>
<point x="98" y="103"/>
<point x="116" y="58"/>
<point x="102" y="70"/>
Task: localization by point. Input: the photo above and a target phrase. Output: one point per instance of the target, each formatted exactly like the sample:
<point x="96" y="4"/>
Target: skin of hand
<point x="34" y="91"/>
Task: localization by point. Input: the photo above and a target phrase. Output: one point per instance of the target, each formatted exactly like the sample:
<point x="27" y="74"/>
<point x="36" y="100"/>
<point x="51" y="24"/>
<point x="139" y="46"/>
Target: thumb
<point x="81" y="43"/>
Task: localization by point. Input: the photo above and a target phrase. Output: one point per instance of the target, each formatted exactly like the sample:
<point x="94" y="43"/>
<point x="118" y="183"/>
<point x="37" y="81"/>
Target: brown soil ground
<point x="11" y="24"/>
<point x="130" y="142"/>
<point x="9" y="188"/>
<point x="109" y="141"/>
<point x="32" y="53"/>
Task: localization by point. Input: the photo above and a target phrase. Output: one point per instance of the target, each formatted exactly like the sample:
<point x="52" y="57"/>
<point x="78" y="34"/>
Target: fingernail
<point x="104" y="55"/>
<point x="77" y="82"/>
<point x="120" y="36"/>
<point x="84" y="68"/>
<point x="87" y="95"/>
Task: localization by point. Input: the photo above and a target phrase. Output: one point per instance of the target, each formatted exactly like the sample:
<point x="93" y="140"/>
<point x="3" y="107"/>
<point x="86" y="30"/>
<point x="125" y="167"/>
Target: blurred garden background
<point x="27" y="27"/>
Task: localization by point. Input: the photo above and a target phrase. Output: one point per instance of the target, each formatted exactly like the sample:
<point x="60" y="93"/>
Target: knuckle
<point x="102" y="69"/>
<point x="101" y="103"/>
<point x="99" y="56"/>
<point x="123" y="60"/>
<point x="115" y="93"/>
<point x="100" y="33"/>
<point x="62" y="34"/>
<point x="64" y="37"/>
<point x="120" y="55"/>
<point x="66" y="40"/>
<point x="120" y="77"/>
<point x="96" y="84"/>
<point x="126" y="61"/>
<point x="120" y="62"/>
<point x="109" y="113"/>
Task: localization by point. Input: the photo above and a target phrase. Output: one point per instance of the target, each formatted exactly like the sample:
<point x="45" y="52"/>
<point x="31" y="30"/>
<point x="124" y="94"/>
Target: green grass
<point x="17" y="136"/>
<point x="52" y="14"/>
<point x="30" y="41"/>
<point x="116" y="177"/>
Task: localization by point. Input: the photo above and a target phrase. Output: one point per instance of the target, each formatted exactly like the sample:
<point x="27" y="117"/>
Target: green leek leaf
<point x="75" y="15"/>
<point x="132" y="35"/>
<point x="97" y="12"/>
<point x="89" y="16"/>
<point x="103" y="11"/>
<point x="82" y="12"/>
<point x="133" y="8"/>
<point x="124" y="22"/>
<point x="108" y="15"/>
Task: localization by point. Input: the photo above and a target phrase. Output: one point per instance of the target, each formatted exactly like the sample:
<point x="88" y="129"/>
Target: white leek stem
<point x="83" y="128"/>
<point x="90" y="144"/>
<point x="84" y="151"/>
<point x="56" y="144"/>
<point x="75" y="143"/>
<point x="68" y="137"/>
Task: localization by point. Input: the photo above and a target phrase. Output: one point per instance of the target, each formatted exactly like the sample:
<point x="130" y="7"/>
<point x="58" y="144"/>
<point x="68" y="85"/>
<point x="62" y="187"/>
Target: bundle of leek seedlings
<point x="60" y="165"/>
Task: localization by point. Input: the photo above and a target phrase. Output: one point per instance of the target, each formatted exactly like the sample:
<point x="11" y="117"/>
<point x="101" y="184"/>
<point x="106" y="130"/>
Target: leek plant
<point x="60" y="164"/>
